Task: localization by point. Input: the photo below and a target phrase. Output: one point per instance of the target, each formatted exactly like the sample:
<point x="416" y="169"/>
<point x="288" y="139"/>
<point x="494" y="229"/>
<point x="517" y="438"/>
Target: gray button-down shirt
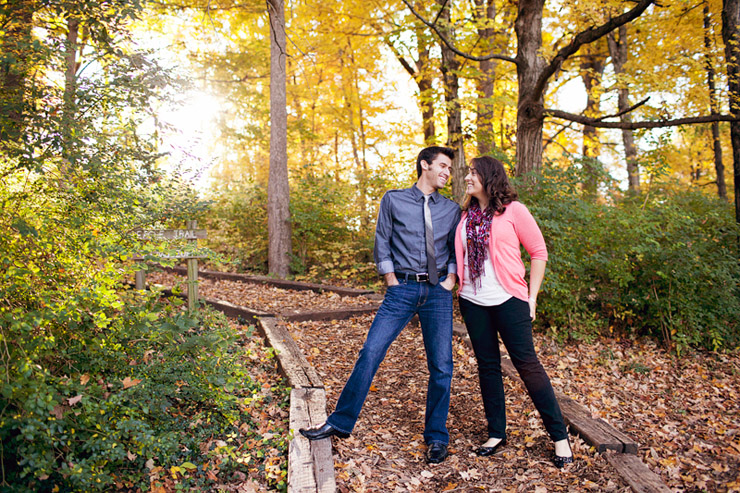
<point x="400" y="244"/>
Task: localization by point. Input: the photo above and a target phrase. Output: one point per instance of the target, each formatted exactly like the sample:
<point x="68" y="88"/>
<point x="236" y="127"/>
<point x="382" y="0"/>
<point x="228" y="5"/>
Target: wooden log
<point x="236" y="311"/>
<point x="310" y="463"/>
<point x="292" y="363"/>
<point x="460" y="330"/>
<point x="280" y="283"/>
<point x="341" y="314"/>
<point x="595" y="431"/>
<point x="636" y="473"/>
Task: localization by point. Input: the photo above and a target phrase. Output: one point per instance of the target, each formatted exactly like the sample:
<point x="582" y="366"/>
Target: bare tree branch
<point x="631" y="108"/>
<point x="585" y="37"/>
<point x="596" y="122"/>
<point x="563" y="128"/>
<point x="433" y="27"/>
<point x="252" y="8"/>
<point x="230" y="81"/>
<point x="411" y="70"/>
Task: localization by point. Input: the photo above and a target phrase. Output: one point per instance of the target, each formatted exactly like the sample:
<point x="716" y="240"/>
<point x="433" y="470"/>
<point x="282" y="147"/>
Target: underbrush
<point x="664" y="265"/>
<point x="155" y="399"/>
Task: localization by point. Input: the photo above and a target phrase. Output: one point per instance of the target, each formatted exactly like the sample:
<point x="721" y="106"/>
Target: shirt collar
<point x="419" y="195"/>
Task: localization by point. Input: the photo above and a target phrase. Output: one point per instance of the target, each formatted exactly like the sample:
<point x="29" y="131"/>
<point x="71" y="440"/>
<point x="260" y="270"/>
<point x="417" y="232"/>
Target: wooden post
<point x="141" y="280"/>
<point x="192" y="272"/>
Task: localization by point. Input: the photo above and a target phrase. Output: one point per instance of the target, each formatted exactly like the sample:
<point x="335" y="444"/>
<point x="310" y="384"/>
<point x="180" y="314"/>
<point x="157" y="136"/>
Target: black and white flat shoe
<point x="561" y="461"/>
<point x="486" y="451"/>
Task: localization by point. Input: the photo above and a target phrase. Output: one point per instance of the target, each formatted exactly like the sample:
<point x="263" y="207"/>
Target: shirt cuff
<point x="385" y="267"/>
<point x="452" y="269"/>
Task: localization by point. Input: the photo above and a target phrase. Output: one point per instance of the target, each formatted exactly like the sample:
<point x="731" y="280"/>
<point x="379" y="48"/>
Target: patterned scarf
<point x="478" y="230"/>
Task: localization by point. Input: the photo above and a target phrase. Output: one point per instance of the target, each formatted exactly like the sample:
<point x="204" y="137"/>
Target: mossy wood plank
<point x="291" y="360"/>
<point x="637" y="474"/>
<point x="310" y="464"/>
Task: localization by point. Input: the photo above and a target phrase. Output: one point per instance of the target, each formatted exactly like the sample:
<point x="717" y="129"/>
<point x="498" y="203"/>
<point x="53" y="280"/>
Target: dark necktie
<point x="429" y="233"/>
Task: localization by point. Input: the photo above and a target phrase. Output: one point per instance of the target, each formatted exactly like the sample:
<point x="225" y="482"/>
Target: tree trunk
<point x="425" y="82"/>
<point x="18" y="24"/>
<point x="530" y="106"/>
<point x="485" y="11"/>
<point x="618" y="53"/>
<point x="719" y="166"/>
<point x="731" y="37"/>
<point x="278" y="189"/>
<point x="70" y="85"/>
<point x="450" y="66"/>
<point x="362" y="175"/>
<point x="592" y="70"/>
<point x="421" y="72"/>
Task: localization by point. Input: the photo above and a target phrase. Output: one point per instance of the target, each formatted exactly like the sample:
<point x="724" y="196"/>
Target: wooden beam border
<point x="280" y="283"/>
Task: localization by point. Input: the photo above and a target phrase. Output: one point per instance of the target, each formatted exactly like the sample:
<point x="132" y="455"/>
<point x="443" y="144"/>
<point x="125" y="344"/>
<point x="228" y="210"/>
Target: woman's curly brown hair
<point x="492" y="175"/>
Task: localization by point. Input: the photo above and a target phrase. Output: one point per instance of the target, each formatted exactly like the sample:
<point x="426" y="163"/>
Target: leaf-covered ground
<point x="263" y="297"/>
<point x="683" y="411"/>
<point x="386" y="450"/>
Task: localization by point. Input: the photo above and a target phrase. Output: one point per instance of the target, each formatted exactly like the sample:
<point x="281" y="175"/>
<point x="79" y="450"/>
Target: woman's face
<point x="474" y="187"/>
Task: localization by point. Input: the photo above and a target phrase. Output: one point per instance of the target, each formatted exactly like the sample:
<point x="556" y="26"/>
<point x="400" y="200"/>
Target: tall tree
<point x="449" y="67"/>
<point x="713" y="104"/>
<point x="731" y="37"/>
<point x="484" y="14"/>
<point x="420" y="68"/>
<point x="278" y="190"/>
<point x="70" y="82"/>
<point x="618" y="50"/>
<point x="16" y="18"/>
<point x="592" y="71"/>
<point x="534" y="72"/>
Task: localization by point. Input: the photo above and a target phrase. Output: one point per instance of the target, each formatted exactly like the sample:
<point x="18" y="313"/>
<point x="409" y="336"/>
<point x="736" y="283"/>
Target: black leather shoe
<point x="486" y="451"/>
<point x="324" y="431"/>
<point x="436" y="453"/>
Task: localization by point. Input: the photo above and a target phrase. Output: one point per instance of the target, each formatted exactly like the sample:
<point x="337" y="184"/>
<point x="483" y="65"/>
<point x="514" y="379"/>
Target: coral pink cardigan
<point x="516" y="225"/>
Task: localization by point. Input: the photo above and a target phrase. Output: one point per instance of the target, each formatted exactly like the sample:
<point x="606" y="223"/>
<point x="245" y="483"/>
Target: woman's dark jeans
<point x="510" y="319"/>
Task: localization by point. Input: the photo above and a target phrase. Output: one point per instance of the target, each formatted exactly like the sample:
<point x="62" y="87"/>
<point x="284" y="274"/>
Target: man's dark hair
<point x="428" y="154"/>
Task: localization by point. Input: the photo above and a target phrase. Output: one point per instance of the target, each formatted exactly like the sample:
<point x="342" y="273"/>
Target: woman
<point x="494" y="299"/>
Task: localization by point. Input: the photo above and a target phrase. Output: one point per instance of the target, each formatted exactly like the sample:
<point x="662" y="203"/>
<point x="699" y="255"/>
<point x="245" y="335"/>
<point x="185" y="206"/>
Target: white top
<point x="490" y="292"/>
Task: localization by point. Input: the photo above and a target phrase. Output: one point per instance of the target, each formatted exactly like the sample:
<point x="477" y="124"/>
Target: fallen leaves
<point x="129" y="382"/>
<point x="613" y="382"/>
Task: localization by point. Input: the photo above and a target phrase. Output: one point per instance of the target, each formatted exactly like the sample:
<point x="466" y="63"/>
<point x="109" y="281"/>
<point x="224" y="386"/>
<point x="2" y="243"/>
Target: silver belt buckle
<point x="422" y="277"/>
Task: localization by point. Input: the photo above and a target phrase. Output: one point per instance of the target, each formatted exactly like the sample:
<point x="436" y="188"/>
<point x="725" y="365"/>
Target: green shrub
<point x="664" y="266"/>
<point x="330" y="240"/>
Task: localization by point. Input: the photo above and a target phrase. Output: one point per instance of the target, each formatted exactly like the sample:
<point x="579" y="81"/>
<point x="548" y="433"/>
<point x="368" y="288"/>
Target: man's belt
<point x="414" y="276"/>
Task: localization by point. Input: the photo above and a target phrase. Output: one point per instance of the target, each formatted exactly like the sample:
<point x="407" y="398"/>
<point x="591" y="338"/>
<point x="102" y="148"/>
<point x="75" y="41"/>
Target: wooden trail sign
<point x="191" y="235"/>
<point x="171" y="234"/>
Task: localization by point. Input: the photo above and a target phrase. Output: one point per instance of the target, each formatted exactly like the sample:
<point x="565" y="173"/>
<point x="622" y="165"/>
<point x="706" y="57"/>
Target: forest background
<point x="615" y="118"/>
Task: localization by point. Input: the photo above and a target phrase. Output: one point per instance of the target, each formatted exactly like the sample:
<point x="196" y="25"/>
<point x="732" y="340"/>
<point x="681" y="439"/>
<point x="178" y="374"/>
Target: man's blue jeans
<point x="433" y="304"/>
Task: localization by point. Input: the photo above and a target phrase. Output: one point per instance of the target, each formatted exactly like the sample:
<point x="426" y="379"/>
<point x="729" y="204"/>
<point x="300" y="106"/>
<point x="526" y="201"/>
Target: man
<point x="418" y="264"/>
